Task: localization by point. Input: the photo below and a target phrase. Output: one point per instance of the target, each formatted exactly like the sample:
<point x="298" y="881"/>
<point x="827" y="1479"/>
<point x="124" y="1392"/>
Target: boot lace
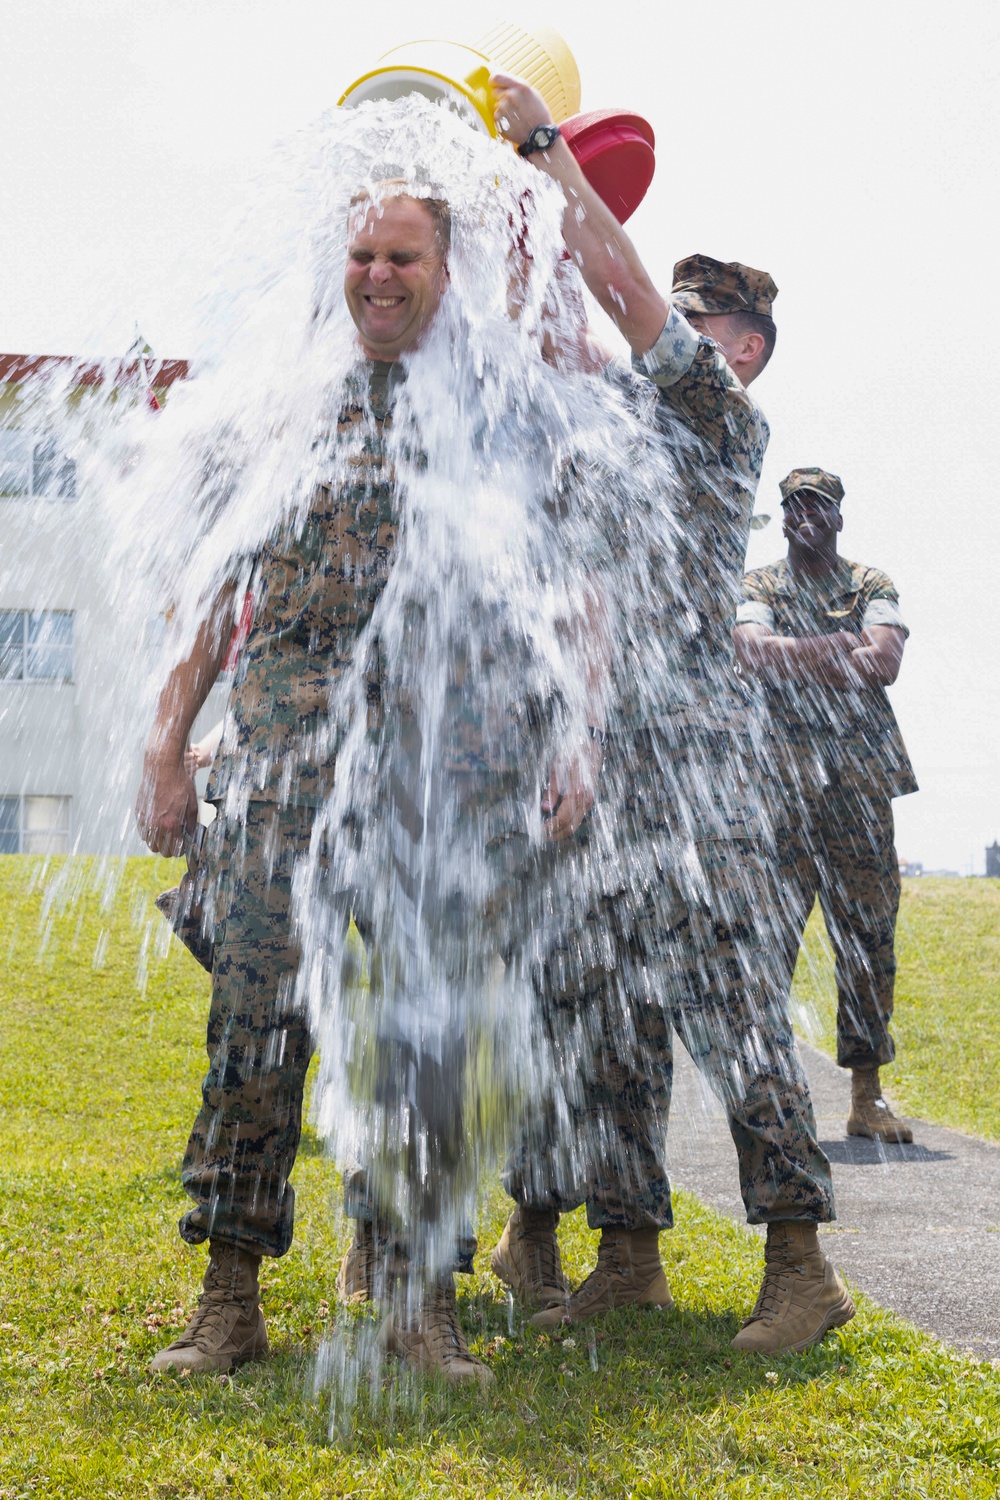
<point x="773" y="1292"/>
<point x="225" y="1287"/>
<point x="440" y="1327"/>
<point x="223" y="1272"/>
<point x="780" y="1266"/>
<point x="204" y="1319"/>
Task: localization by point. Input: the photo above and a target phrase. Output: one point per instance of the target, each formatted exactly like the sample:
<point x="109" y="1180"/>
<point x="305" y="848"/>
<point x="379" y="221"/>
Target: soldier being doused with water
<point x="468" y="791"/>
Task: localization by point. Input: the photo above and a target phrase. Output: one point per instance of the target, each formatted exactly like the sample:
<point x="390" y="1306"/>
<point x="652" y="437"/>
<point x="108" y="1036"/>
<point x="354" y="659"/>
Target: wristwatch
<point x="542" y="138"/>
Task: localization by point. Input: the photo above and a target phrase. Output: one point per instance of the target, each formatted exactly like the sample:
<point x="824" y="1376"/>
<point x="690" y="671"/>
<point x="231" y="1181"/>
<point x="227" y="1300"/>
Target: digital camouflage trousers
<point x="684" y="945"/>
<point x="243" y="1143"/>
<point x="837" y="844"/>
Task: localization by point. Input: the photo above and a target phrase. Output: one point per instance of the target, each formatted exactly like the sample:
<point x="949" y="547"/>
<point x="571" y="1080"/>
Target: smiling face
<point x="395" y="275"/>
<point x="810" y="520"/>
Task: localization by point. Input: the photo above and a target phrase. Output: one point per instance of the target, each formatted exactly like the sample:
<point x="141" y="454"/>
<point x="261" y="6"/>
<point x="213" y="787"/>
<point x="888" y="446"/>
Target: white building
<point x="68" y="747"/>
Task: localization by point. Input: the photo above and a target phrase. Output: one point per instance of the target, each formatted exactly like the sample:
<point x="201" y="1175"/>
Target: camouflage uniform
<point x="317" y="585"/>
<point x="835" y="760"/>
<point x="686" y="946"/>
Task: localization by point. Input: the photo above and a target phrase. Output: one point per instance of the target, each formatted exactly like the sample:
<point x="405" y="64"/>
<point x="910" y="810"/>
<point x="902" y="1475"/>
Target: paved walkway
<point x="918" y="1227"/>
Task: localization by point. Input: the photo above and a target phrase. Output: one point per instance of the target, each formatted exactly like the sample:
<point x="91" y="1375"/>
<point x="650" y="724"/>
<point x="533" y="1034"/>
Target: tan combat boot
<point x="628" y="1271"/>
<point x="227" y="1327"/>
<point x="365" y="1264"/>
<point x="801" y="1296"/>
<point x="431" y="1341"/>
<point x="526" y="1258"/>
<point x="870" y="1114"/>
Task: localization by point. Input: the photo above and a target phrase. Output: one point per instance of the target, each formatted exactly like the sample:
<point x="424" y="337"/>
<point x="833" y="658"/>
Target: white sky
<point x="851" y="149"/>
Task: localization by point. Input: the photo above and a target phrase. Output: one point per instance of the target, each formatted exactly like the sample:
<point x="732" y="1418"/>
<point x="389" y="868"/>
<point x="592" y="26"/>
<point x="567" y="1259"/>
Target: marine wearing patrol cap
<point x="817" y="480"/>
<point x="704" y="285"/>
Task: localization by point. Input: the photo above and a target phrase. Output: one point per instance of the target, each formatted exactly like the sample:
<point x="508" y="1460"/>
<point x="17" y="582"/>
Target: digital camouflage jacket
<point x="315" y="588"/>
<point x="816" y="734"/>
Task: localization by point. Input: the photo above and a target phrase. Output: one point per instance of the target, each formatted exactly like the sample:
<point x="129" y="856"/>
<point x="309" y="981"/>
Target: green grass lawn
<point x="947" y="1019"/>
<point x="101" y="1054"/>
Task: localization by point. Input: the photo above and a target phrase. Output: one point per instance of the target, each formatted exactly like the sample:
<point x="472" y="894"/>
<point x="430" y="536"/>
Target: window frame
<point x="32" y="647"/>
<point x="23" y="833"/>
<point x="41" y="457"/>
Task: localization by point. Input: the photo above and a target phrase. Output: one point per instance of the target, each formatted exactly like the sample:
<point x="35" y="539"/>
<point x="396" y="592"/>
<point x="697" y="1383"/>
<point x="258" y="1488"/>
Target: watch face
<point x="539" y="139"/>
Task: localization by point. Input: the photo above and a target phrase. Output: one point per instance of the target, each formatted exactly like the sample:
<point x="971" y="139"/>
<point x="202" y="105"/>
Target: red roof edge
<point x="18" y="367"/>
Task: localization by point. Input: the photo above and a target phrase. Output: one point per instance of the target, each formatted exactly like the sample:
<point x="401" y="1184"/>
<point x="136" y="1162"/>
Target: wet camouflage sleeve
<point x="698" y="695"/>
<point x="693" y="376"/>
<point x="697" y="387"/>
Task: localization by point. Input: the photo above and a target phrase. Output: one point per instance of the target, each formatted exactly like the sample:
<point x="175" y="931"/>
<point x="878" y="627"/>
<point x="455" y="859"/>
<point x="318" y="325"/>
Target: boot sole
<point x="887" y="1138"/>
<point x="842" y="1312"/>
<point x="182" y="1367"/>
<point x="391" y="1343"/>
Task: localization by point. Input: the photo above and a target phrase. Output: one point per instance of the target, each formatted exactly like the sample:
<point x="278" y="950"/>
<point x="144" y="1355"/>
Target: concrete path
<point x="918" y="1227"/>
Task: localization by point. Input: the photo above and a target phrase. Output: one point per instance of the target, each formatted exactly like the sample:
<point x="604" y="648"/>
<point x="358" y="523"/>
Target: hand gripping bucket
<point x="459" y="73"/>
<point x="614" y="148"/>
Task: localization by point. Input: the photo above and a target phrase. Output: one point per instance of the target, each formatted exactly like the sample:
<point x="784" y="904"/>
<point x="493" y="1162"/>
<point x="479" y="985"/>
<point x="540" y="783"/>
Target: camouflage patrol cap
<point x="818" y="480"/>
<point x="704" y="285"/>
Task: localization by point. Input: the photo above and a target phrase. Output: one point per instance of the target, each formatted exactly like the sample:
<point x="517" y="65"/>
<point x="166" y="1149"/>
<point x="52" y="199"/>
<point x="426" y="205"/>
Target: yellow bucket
<point x="438" y="70"/>
<point x="542" y="58"/>
<point x="459" y="73"/>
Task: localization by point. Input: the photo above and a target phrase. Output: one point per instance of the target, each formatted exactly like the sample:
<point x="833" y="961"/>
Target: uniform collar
<point x="839" y="582"/>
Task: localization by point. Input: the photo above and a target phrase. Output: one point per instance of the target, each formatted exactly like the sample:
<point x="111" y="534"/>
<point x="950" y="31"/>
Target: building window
<point x="31" y="467"/>
<point x="36" y="645"/>
<point x="34" y="825"/>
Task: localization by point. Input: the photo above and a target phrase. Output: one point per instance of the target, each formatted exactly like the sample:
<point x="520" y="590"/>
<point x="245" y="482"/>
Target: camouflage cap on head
<point x="704" y="285"/>
<point x="827" y="485"/>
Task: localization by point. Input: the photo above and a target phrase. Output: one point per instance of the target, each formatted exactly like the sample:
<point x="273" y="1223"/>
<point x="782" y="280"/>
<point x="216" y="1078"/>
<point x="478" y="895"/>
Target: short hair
<point x="751" y="322"/>
<point x="400" y="187"/>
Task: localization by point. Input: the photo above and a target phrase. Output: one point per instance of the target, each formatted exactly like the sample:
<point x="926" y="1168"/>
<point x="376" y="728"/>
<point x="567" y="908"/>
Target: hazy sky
<point x="851" y="149"/>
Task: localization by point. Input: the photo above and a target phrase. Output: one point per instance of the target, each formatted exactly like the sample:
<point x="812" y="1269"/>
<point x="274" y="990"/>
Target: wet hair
<point x="751" y="322"/>
<point x="400" y="187"/>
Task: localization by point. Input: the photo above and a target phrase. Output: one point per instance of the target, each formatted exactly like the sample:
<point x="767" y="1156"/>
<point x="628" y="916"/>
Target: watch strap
<point x="549" y="135"/>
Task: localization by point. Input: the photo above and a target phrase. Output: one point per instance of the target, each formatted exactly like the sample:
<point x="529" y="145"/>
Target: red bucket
<point x="615" y="150"/>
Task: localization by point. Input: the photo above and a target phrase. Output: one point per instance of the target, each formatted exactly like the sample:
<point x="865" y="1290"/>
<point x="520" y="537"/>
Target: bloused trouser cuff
<point x="359" y="1204"/>
<point x="622" y="1193"/>
<point x="784" y="1173"/>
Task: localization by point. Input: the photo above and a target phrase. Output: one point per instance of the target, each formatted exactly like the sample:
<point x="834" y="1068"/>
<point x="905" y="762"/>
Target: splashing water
<point x="501" y="507"/>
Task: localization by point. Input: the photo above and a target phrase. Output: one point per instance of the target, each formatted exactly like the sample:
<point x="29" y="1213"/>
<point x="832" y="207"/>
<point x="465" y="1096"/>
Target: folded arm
<point x="840" y="660"/>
